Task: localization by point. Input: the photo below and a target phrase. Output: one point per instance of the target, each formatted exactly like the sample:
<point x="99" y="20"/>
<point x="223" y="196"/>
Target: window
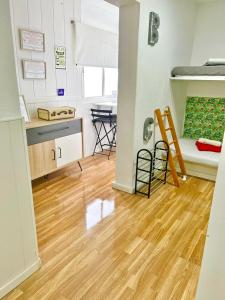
<point x="111" y="81"/>
<point x="93" y="82"/>
<point x="100" y="82"/>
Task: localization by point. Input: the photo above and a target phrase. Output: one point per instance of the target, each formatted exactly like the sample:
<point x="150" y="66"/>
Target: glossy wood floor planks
<point x="97" y="243"/>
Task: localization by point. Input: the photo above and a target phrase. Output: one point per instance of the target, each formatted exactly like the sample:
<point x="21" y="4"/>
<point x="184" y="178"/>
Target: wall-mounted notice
<point x="23" y="109"/>
<point x="32" y="40"/>
<point x="34" y="69"/>
<point x="60" y="58"/>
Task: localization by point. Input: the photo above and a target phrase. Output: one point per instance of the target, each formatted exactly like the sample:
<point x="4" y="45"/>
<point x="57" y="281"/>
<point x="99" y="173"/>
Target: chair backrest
<point x="101" y="113"/>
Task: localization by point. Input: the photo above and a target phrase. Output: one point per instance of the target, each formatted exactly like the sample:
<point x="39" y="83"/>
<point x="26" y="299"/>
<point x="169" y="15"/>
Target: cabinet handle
<point x="60" y="152"/>
<point x="54" y="157"/>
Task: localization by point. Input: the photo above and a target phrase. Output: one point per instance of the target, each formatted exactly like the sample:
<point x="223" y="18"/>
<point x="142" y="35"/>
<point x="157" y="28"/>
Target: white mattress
<point x="192" y="154"/>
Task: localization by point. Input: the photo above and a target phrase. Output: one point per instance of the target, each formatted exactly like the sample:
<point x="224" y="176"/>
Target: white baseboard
<point x="9" y="286"/>
<point x="200" y="170"/>
<point x="206" y="176"/>
<point x="123" y="188"/>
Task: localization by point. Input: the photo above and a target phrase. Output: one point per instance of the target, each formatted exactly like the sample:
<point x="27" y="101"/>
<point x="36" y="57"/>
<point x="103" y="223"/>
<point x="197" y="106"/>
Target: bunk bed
<point x="204" y="118"/>
<point x="212" y="70"/>
<point x="199" y="164"/>
<point x="218" y="70"/>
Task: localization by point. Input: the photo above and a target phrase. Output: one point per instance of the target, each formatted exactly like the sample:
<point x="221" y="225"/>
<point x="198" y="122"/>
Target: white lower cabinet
<point x="54" y="144"/>
<point x="68" y="149"/>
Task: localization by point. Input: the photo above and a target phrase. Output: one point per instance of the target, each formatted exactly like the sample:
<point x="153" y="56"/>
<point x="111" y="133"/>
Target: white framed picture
<point x="23" y="109"/>
<point x="60" y="58"/>
<point x="32" y="40"/>
<point x="34" y="69"/>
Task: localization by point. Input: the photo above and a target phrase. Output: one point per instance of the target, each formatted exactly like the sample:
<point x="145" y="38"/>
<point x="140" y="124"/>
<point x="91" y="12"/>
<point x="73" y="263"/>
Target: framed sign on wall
<point x="34" y="69"/>
<point x="23" y="109"/>
<point x="32" y="40"/>
<point x="60" y="58"/>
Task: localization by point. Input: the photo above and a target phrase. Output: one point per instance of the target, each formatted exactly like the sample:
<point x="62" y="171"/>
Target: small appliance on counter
<point x="56" y="113"/>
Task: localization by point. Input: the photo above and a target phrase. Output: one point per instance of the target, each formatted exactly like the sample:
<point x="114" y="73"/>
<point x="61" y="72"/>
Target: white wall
<point x="128" y="57"/>
<point x="18" y="253"/>
<point x="9" y="91"/>
<point x="155" y="63"/>
<point x="153" y="69"/>
<point x="209" y="33"/>
<point x="53" y="17"/>
<point x="212" y="277"/>
<point x="208" y="43"/>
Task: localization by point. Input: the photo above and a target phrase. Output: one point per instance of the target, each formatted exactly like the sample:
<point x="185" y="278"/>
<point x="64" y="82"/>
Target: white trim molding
<point x="9" y="286"/>
<point x="123" y="188"/>
<point x="9" y="119"/>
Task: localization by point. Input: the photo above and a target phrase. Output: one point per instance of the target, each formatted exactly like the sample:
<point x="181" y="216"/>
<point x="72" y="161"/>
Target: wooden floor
<point x="97" y="243"/>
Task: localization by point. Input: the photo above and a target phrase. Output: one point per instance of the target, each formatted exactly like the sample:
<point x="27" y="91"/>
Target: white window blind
<point x="95" y="47"/>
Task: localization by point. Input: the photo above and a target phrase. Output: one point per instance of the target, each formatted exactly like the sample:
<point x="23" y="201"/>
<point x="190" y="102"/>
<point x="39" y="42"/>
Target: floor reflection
<point x="97" y="211"/>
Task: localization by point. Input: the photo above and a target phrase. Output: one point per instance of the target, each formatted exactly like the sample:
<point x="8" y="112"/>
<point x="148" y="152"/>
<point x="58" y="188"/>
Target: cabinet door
<point x="68" y="149"/>
<point x="42" y="158"/>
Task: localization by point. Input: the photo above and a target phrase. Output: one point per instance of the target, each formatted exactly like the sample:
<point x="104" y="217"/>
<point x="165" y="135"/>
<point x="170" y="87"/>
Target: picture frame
<point x="60" y="57"/>
<point x="23" y="109"/>
<point x="32" y="40"/>
<point x="33" y="69"/>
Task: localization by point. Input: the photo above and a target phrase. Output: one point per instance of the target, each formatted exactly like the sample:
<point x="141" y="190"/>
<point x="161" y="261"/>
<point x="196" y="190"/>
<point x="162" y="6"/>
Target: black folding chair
<point x="100" y="119"/>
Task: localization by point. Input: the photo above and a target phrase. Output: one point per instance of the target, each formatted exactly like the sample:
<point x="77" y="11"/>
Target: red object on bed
<point x="207" y="147"/>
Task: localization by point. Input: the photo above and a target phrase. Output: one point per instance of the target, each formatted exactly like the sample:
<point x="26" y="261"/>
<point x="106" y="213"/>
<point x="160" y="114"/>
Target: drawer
<point x="51" y="132"/>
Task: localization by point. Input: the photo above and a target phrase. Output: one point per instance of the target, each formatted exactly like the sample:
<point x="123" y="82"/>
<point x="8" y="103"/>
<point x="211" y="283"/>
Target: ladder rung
<point x="164" y="115"/>
<point x="168" y="129"/>
<point x="171" y="143"/>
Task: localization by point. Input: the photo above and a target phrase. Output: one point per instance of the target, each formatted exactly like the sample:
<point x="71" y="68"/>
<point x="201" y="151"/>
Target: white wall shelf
<point x="198" y="78"/>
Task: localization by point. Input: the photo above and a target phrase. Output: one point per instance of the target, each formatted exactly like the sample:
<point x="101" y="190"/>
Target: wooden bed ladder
<point x="166" y="116"/>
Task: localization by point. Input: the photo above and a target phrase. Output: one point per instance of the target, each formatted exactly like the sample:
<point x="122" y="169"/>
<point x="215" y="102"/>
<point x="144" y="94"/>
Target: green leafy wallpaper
<point x="205" y="118"/>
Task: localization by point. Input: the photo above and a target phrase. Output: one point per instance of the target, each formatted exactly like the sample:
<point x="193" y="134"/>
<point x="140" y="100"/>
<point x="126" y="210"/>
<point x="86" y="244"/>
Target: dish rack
<point x="151" y="168"/>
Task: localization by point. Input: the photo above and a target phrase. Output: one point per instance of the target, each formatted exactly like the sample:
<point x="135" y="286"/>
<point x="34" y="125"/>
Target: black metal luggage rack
<point x="151" y="169"/>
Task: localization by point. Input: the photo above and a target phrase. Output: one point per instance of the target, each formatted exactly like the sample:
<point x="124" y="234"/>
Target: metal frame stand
<point x="79" y="164"/>
<point x="111" y="143"/>
<point x="151" y="168"/>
